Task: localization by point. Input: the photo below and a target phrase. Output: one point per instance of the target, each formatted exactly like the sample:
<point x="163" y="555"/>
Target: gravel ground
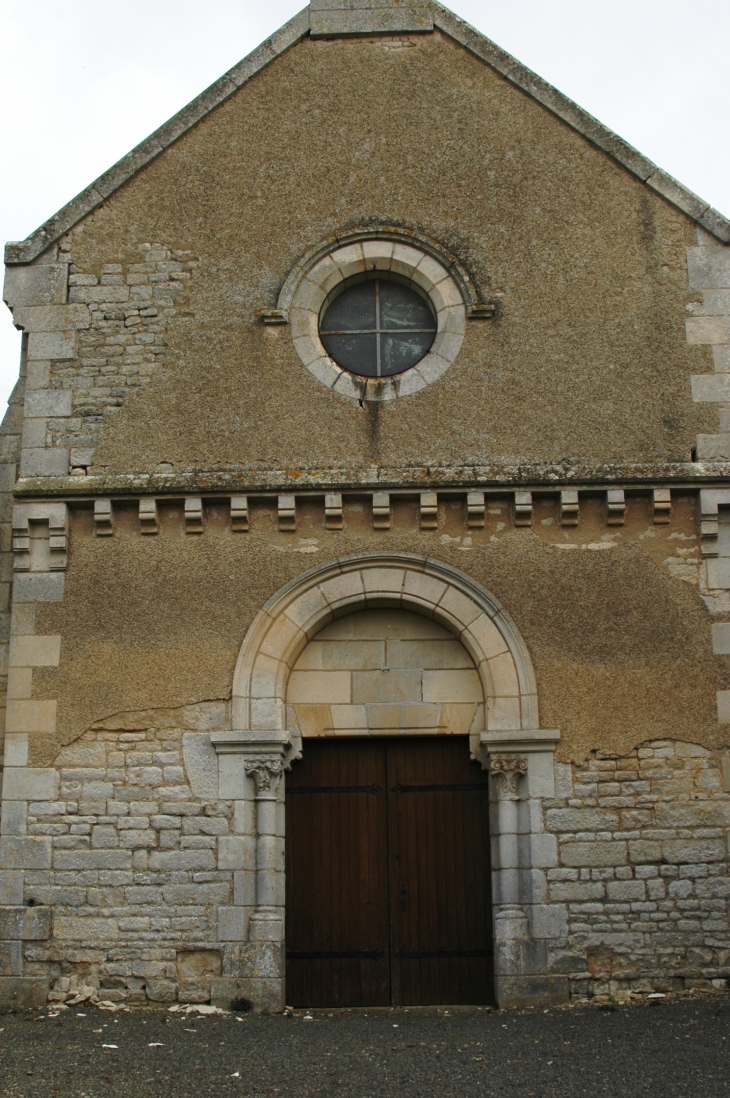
<point x="653" y="1050"/>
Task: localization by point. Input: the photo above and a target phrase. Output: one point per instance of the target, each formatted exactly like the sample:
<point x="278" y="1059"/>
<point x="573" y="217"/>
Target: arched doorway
<point x="265" y="741"/>
<point x="387" y="819"/>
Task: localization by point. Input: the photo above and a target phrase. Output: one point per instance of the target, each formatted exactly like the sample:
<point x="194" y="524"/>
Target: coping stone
<point x="332" y="18"/>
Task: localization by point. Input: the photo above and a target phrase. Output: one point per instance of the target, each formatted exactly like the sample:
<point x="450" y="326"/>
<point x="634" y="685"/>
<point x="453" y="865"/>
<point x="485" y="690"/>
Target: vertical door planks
<point x="388" y="875"/>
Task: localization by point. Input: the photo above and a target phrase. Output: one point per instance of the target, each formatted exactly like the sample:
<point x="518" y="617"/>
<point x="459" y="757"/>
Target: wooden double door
<point x="387" y="875"/>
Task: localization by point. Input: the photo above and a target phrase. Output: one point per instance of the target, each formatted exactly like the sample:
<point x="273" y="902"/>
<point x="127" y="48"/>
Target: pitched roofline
<point x="25" y="251"/>
<point x="584" y="123"/>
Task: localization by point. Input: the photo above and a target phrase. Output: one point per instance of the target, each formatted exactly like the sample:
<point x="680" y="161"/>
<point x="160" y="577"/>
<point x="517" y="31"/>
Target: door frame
<point x="253" y="755"/>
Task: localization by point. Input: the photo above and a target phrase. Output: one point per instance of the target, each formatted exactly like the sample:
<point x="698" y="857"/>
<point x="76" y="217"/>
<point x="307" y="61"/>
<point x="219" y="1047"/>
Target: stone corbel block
<point x="662" y="506"/>
<point x="287" y="512"/>
<point x="569" y="507"/>
<point x="273" y="316"/>
<point x="333" y="511"/>
<point x="239" y="514"/>
<point x="475" y="508"/>
<point x="523" y="508"/>
<point x="429" y="510"/>
<point x="381" y="511"/>
<point x="710" y="500"/>
<point x="103" y="518"/>
<point x="148" y="516"/>
<point x="616" y="507"/>
<point x="193" y="515"/>
<point x="35" y="553"/>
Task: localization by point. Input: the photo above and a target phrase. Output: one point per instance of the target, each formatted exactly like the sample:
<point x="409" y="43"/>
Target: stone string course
<point x="151" y="884"/>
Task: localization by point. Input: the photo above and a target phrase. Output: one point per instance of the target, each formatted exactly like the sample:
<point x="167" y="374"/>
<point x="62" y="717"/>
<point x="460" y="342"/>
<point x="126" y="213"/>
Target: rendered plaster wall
<point x="612" y="617"/>
<point x="586" y="266"/>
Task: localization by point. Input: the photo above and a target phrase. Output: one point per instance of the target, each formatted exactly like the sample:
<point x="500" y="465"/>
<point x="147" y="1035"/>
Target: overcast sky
<point x="83" y="81"/>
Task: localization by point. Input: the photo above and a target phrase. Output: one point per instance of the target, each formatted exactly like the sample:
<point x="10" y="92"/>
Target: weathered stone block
<point x="525" y="992"/>
<point x="39" y="586"/>
<point x="161" y="991"/>
<point x="35" y="651"/>
<point x="64" y="319"/>
<point x="76" y="928"/>
<point x="231" y="924"/>
<point x="23" y="992"/>
<point x="11" y="958"/>
<point x="581" y="819"/>
<point x="644" y="851"/>
<point x="708" y="268"/>
<point x="11" y="886"/>
<point x="51" y="346"/>
<point x="91" y="859"/>
<point x="694" y="851"/>
<point x="51" y="462"/>
<point x="25" y="783"/>
<point x="18" y="852"/>
<point x="593" y="854"/>
<point x="625" y="891"/>
<point x="576" y="891"/>
<point x="231" y="852"/>
<point x="548" y="920"/>
<point x="711" y="387"/>
<point x="26" y="924"/>
<point x="39" y="284"/>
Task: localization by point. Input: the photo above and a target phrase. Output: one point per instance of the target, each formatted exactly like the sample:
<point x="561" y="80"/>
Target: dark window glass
<point x="377" y="328"/>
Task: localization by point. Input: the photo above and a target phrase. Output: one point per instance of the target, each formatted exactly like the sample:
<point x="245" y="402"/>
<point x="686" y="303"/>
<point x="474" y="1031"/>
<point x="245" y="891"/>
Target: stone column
<point x="521" y="765"/>
<point x="510" y="919"/>
<point x="253" y="761"/>
<point x="266" y="923"/>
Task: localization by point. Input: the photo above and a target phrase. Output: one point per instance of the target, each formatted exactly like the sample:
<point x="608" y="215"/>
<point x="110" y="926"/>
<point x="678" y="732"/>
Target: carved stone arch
<point x="519" y="755"/>
<point x="296" y="613"/>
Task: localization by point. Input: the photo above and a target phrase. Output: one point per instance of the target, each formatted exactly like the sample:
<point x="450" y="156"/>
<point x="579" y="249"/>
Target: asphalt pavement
<point x="656" y="1049"/>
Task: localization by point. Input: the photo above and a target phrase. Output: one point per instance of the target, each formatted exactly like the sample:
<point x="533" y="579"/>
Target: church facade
<point x="366" y="548"/>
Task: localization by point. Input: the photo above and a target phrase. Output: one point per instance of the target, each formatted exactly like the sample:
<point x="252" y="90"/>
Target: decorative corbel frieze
<point x="40" y="537"/>
<point x="507" y="771"/>
<point x="616" y="507"/>
<point x="381" y="511"/>
<point x="475" y="509"/>
<point x="287" y="512"/>
<point x="429" y="510"/>
<point x="662" y="505"/>
<point x="333" y="511"/>
<point x="148" y="516"/>
<point x="103" y="518"/>
<point x="239" y="514"/>
<point x="523" y="508"/>
<point x="569" y="507"/>
<point x="193" y="515"/>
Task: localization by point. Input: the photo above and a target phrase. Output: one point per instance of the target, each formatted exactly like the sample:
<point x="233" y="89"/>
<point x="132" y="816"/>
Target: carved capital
<point x="507" y="771"/>
<point x="266" y="771"/>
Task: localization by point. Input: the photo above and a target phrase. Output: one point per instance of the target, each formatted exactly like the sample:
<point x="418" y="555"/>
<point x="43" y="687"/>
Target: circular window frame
<point x="410" y="263"/>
